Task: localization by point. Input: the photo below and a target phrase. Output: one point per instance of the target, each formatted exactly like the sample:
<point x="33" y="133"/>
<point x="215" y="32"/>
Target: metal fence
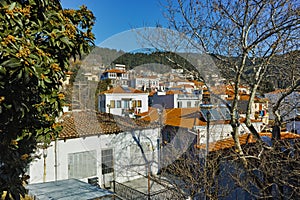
<point x="127" y="193"/>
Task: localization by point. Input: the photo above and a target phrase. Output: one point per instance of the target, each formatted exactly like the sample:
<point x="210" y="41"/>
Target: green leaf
<point x="12" y="6"/>
<point x="12" y="63"/>
<point x="2" y="70"/>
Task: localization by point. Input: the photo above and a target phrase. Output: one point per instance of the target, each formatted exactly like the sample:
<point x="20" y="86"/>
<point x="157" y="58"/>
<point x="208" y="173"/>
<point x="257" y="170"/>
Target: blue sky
<point x="116" y="16"/>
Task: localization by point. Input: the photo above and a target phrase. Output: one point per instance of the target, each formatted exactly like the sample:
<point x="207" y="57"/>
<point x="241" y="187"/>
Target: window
<point x="107" y="161"/>
<point x="179" y="104"/>
<point x="189" y="104"/>
<point x="139" y="103"/>
<point x="126" y="104"/>
<point x="112" y="103"/>
<point x="136" y="103"/>
<point x="82" y="164"/>
<point x="118" y="104"/>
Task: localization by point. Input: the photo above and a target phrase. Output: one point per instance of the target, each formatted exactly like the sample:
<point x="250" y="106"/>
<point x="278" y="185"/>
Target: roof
<point x="182" y="86"/>
<point x="279" y="91"/>
<point x="115" y="71"/>
<point x="174" y="92"/>
<point x="183" y="117"/>
<point x="147" y="77"/>
<point x="68" y="190"/>
<point x="198" y="83"/>
<point x="244" y="139"/>
<point x="219" y="90"/>
<point x="152" y="93"/>
<point x="87" y="123"/>
<point x="121" y="89"/>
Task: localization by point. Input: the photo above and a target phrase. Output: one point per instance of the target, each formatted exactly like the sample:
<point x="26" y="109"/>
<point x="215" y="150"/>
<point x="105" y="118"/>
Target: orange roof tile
<point x="152" y="93"/>
<point x="220" y="89"/>
<point x="120" y="89"/>
<point x="198" y="83"/>
<point x="279" y="91"/>
<point x="185" y="118"/>
<point x="150" y="116"/>
<point x="174" y="92"/>
<point x="87" y="123"/>
<point x="114" y="71"/>
<point x="244" y="139"/>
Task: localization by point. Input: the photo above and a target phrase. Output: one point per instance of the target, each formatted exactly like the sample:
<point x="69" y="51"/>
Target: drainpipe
<point x="44" y="156"/>
<point x="55" y="159"/>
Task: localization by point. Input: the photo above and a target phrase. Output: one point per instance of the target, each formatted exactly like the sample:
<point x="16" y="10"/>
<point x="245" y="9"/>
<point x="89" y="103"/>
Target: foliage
<point x="38" y="38"/>
<point x="175" y="60"/>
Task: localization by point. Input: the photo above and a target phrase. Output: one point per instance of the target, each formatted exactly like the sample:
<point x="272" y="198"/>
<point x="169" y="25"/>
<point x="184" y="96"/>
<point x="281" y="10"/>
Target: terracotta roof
<point x="120" y="89"/>
<point x="184" y="117"/>
<point x="244" y="139"/>
<point x="198" y="83"/>
<point x="152" y="93"/>
<point x="146" y="77"/>
<point x="246" y="97"/>
<point x="183" y="86"/>
<point x="174" y="92"/>
<point x="279" y="91"/>
<point x="86" y="123"/>
<point x="150" y="116"/>
<point x="115" y="71"/>
<point x="220" y="89"/>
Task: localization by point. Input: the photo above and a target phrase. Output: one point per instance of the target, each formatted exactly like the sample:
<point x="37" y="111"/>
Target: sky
<point x="116" y="16"/>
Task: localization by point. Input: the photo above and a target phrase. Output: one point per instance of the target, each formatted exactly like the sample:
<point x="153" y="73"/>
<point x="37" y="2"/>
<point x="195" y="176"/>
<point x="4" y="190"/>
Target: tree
<point x="251" y="32"/>
<point x="38" y="38"/>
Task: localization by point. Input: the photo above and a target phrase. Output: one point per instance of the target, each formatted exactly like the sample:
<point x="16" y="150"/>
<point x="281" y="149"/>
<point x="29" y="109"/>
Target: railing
<point x="127" y="192"/>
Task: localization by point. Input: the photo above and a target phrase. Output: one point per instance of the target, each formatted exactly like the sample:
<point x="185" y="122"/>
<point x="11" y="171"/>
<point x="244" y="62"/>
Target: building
<point x="99" y="145"/>
<point x="176" y="81"/>
<point x="289" y="108"/>
<point x="195" y="121"/>
<point x="177" y="99"/>
<point x="145" y="83"/>
<point x="123" y="101"/>
<point x="117" y="74"/>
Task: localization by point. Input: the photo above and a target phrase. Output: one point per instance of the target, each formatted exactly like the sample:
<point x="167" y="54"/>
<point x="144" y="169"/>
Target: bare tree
<point x="243" y="35"/>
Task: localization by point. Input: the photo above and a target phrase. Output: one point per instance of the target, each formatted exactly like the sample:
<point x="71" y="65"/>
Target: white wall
<point x="120" y="143"/>
<point x="222" y="131"/>
<point x="119" y="96"/>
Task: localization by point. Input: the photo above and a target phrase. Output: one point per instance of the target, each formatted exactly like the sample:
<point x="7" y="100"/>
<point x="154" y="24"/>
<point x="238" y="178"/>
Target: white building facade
<point x="107" y="156"/>
<point x="145" y="83"/>
<point x="123" y="101"/>
<point x="188" y="100"/>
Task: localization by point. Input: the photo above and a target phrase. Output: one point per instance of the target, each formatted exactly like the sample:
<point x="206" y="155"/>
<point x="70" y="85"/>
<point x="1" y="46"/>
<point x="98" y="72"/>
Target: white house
<point x="290" y="106"/>
<point x="178" y="81"/>
<point x="140" y="82"/>
<point x="98" y="145"/>
<point x="123" y="101"/>
<point x="117" y="74"/>
<point x="177" y="99"/>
